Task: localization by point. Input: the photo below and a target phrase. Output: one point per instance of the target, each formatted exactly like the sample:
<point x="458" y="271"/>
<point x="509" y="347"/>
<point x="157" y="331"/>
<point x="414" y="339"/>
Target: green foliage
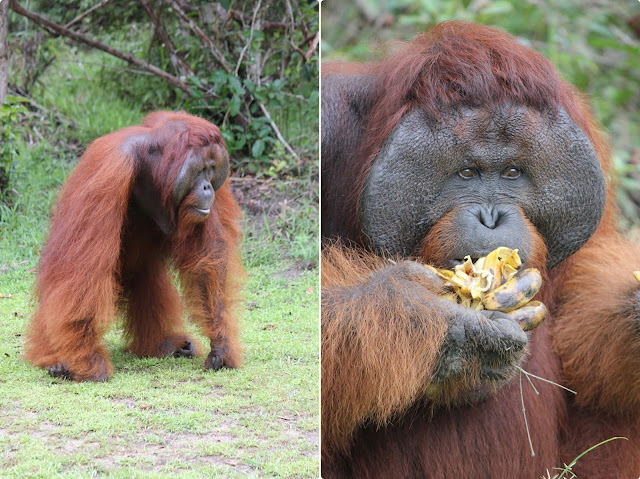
<point x="283" y="84"/>
<point x="69" y="89"/>
<point x="31" y="54"/>
<point x="260" y="82"/>
<point x="38" y="170"/>
<point x="10" y="116"/>
<point x="111" y="17"/>
<point x="227" y="95"/>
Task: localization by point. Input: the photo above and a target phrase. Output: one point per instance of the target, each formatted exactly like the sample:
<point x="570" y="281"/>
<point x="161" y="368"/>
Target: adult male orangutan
<point x="140" y="199"/>
<point x="457" y="143"/>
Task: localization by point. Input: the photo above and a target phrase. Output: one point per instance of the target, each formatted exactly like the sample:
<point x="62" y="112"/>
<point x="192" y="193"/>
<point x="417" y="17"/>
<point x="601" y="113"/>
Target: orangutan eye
<point x="468" y="173"/>
<point x="511" y="173"/>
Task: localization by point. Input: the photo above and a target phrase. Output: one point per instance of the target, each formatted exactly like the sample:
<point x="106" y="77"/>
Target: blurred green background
<point x="595" y="44"/>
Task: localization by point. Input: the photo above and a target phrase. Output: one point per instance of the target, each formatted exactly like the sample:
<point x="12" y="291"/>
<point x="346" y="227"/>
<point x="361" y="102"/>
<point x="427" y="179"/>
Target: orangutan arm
<point x="388" y="341"/>
<point x="597" y="331"/>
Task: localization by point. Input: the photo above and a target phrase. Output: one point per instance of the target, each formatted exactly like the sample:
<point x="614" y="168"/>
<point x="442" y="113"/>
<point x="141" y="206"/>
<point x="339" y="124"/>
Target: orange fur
<point x="101" y="257"/>
<point x="377" y="416"/>
<point x="595" y="335"/>
<point x="599" y="312"/>
<point x="376" y="360"/>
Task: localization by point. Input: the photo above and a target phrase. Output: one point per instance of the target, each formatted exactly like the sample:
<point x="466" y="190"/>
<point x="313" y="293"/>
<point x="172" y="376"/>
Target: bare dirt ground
<point x="271" y="197"/>
<point x="275" y="202"/>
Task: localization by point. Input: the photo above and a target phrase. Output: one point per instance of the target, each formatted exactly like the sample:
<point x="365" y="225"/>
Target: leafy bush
<point x="10" y="116"/>
<point x="248" y="66"/>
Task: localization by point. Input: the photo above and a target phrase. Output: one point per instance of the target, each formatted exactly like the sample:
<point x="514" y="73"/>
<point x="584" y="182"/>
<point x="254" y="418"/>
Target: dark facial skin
<point x="202" y="174"/>
<point x="203" y="194"/>
<point x="209" y="164"/>
<point x="484" y="167"/>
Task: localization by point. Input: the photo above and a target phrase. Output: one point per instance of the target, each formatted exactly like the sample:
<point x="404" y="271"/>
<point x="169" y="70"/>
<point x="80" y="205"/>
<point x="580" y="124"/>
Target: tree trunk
<point x="4" y="50"/>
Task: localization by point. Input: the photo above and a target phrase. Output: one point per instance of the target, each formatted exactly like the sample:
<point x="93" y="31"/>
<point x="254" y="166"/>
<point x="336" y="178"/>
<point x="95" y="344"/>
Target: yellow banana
<point x="636" y="275"/>
<point x="515" y="293"/>
<point x="502" y="263"/>
<point x="451" y="297"/>
<point x="494" y="283"/>
<point x="530" y="316"/>
<point x="473" y="281"/>
<point x="442" y="273"/>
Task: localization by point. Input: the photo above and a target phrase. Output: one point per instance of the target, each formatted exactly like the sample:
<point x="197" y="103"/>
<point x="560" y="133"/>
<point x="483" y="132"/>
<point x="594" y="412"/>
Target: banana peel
<point x="515" y="293"/>
<point x="494" y="283"/>
<point x="529" y="316"/>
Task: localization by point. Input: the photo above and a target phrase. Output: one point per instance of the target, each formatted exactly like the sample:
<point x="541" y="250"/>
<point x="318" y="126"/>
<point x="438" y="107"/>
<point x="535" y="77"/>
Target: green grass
<point x="79" y="95"/>
<point x="160" y="417"/>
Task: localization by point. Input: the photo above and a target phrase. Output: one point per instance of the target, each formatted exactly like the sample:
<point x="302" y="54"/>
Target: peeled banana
<point x="494" y="283"/>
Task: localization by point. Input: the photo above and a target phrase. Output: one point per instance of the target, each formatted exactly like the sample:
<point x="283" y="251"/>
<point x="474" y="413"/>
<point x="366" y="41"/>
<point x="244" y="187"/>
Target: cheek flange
<point x="405" y="192"/>
<point x="398" y="202"/>
<point x="211" y="160"/>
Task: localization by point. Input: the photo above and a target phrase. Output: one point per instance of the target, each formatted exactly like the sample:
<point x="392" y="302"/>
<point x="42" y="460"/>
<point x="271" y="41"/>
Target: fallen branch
<point x="79" y="37"/>
<point x="88" y="12"/>
<point x="277" y="131"/>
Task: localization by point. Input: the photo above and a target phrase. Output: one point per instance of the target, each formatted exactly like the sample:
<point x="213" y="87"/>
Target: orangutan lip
<point x="204" y="212"/>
